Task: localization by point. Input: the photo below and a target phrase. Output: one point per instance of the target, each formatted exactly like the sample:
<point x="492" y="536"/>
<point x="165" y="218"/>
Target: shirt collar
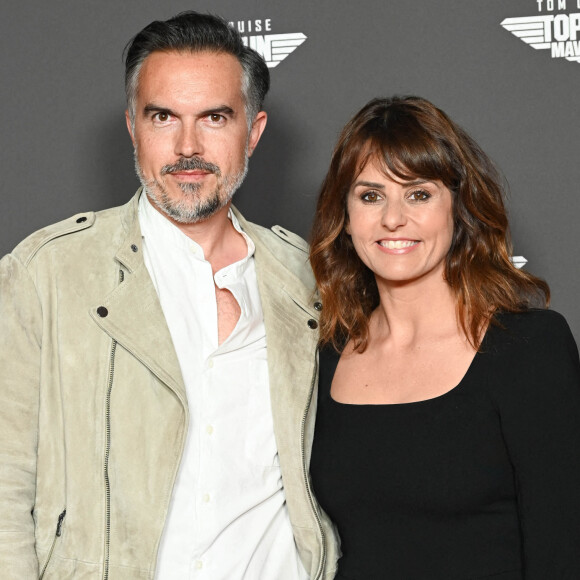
<point x="159" y="229"/>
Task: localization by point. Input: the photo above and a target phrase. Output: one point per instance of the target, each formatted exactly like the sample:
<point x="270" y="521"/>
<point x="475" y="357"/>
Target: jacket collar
<point x="271" y="269"/>
<point x="136" y="321"/>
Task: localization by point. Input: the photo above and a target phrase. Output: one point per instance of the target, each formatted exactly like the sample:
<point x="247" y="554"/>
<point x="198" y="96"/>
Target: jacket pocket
<point x="56" y="536"/>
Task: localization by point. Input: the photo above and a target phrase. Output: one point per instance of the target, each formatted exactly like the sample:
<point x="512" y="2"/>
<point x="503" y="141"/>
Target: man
<point x="157" y="359"/>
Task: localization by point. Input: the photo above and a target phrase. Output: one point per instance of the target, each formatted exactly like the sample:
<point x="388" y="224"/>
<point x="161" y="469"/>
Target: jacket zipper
<point x="107" y="452"/>
<point x="106" y="464"/>
<point x="320" y="571"/>
<point x="56" y="535"/>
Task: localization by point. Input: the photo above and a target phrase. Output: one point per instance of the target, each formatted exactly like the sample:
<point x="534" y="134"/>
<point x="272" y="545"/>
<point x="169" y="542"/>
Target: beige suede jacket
<point x="93" y="409"/>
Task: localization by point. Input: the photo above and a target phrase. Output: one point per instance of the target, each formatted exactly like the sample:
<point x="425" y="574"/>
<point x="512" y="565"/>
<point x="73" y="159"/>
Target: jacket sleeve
<point x="20" y="350"/>
<point x="540" y="419"/>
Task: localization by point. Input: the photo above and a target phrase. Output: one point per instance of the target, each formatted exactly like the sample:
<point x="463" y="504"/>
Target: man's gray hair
<point x="194" y="32"/>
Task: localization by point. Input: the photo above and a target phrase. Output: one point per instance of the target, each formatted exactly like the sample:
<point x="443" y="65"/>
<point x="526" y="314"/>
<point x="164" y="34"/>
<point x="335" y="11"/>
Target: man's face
<point x="191" y="133"/>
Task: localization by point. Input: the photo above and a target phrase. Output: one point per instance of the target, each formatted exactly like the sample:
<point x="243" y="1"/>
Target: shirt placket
<point x="204" y="426"/>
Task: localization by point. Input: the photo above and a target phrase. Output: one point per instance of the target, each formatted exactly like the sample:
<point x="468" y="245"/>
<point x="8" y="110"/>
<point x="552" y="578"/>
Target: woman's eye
<point x="419" y="195"/>
<point x="371" y="196"/>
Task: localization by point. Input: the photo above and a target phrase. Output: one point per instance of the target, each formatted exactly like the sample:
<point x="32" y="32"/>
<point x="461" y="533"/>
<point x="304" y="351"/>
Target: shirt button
<point x="209" y="429"/>
<point x="205" y="497"/>
<point x="210" y="363"/>
<point x="312" y="323"/>
<point x="198" y="564"/>
<point x="318" y="306"/>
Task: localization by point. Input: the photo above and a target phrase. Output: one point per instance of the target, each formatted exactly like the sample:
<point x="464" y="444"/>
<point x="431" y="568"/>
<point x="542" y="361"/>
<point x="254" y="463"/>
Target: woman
<point x="447" y="443"/>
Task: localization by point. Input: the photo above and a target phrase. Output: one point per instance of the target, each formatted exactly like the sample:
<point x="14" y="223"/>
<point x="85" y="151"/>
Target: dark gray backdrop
<point x="65" y="148"/>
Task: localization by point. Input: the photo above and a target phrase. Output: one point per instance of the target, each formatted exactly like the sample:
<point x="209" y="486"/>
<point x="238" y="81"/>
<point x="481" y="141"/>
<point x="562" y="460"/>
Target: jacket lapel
<point x="132" y="314"/>
<point x="291" y="336"/>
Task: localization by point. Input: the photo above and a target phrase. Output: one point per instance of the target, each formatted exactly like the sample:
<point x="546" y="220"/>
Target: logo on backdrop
<point x="274" y="48"/>
<point x="554" y="28"/>
<point x="518" y="261"/>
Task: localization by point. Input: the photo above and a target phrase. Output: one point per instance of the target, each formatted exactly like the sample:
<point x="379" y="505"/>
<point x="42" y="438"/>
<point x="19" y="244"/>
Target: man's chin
<point x="184" y="214"/>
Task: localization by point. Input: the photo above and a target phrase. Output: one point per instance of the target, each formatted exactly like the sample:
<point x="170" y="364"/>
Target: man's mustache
<point x="191" y="164"/>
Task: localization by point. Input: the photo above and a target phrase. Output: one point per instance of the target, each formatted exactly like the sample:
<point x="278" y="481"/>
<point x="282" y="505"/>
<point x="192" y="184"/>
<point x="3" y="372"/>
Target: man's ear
<point x="258" y="126"/>
<point x="129" y="127"/>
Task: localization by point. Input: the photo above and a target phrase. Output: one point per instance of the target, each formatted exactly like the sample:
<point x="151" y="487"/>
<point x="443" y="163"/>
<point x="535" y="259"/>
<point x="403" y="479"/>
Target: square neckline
<point x="432" y="400"/>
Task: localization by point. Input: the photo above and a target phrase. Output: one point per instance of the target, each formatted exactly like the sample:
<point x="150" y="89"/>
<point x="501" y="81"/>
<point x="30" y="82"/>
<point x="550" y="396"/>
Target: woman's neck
<point x="407" y="311"/>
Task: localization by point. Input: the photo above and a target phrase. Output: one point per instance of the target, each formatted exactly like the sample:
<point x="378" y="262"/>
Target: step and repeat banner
<point x="507" y="70"/>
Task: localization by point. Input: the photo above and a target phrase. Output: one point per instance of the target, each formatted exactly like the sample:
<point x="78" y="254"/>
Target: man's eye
<point x="163" y="117"/>
<point x="215" y="118"/>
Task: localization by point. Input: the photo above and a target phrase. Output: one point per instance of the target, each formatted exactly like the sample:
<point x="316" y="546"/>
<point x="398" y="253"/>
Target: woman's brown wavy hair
<point x="411" y="138"/>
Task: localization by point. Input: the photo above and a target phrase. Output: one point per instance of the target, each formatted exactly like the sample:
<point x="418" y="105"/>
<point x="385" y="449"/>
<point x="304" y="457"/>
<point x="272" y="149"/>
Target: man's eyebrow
<point x="221" y="110"/>
<point x="153" y="108"/>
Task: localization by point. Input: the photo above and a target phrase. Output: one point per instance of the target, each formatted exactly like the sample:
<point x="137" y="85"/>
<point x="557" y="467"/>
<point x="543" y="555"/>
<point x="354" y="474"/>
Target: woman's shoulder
<point x="533" y="335"/>
<point x="532" y="322"/>
<point x="532" y="368"/>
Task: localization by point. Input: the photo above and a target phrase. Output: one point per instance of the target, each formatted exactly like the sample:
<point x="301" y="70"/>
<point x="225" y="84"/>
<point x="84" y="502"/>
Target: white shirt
<point x="228" y="518"/>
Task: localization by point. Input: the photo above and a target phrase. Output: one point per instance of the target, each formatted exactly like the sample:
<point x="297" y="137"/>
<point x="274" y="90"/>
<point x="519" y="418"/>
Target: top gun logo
<point x="274" y="48"/>
<point x="559" y="33"/>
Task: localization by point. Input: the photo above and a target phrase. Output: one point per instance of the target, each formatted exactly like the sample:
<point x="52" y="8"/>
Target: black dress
<point x="481" y="482"/>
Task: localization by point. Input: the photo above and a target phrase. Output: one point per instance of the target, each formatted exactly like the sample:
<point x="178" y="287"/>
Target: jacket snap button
<point x="318" y="306"/>
<point x="81" y="220"/>
<point x="134" y="247"/>
<point x="312" y="323"/>
<point x="102" y="311"/>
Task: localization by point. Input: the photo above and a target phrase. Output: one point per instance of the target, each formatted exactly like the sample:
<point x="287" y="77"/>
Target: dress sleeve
<point x="537" y="390"/>
<point x="20" y="342"/>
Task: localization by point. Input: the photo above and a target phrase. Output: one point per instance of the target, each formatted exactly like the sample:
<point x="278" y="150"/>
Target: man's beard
<point x="191" y="208"/>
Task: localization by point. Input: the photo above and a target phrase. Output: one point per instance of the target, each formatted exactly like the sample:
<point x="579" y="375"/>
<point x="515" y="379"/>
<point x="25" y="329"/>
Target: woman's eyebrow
<point x="369" y="184"/>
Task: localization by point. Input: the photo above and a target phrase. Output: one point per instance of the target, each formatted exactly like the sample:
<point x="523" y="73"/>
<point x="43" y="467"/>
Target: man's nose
<point x="189" y="142"/>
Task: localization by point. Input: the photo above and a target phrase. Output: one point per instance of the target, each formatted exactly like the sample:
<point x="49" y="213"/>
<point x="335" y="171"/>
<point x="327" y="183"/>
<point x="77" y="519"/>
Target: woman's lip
<point x="397" y="243"/>
<point x="399" y="246"/>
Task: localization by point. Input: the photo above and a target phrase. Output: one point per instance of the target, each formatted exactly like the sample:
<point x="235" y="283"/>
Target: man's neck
<point x="221" y="243"/>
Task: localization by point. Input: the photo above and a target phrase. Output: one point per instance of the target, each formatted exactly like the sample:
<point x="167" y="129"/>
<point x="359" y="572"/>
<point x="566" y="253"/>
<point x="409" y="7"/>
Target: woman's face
<point x="402" y="231"/>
